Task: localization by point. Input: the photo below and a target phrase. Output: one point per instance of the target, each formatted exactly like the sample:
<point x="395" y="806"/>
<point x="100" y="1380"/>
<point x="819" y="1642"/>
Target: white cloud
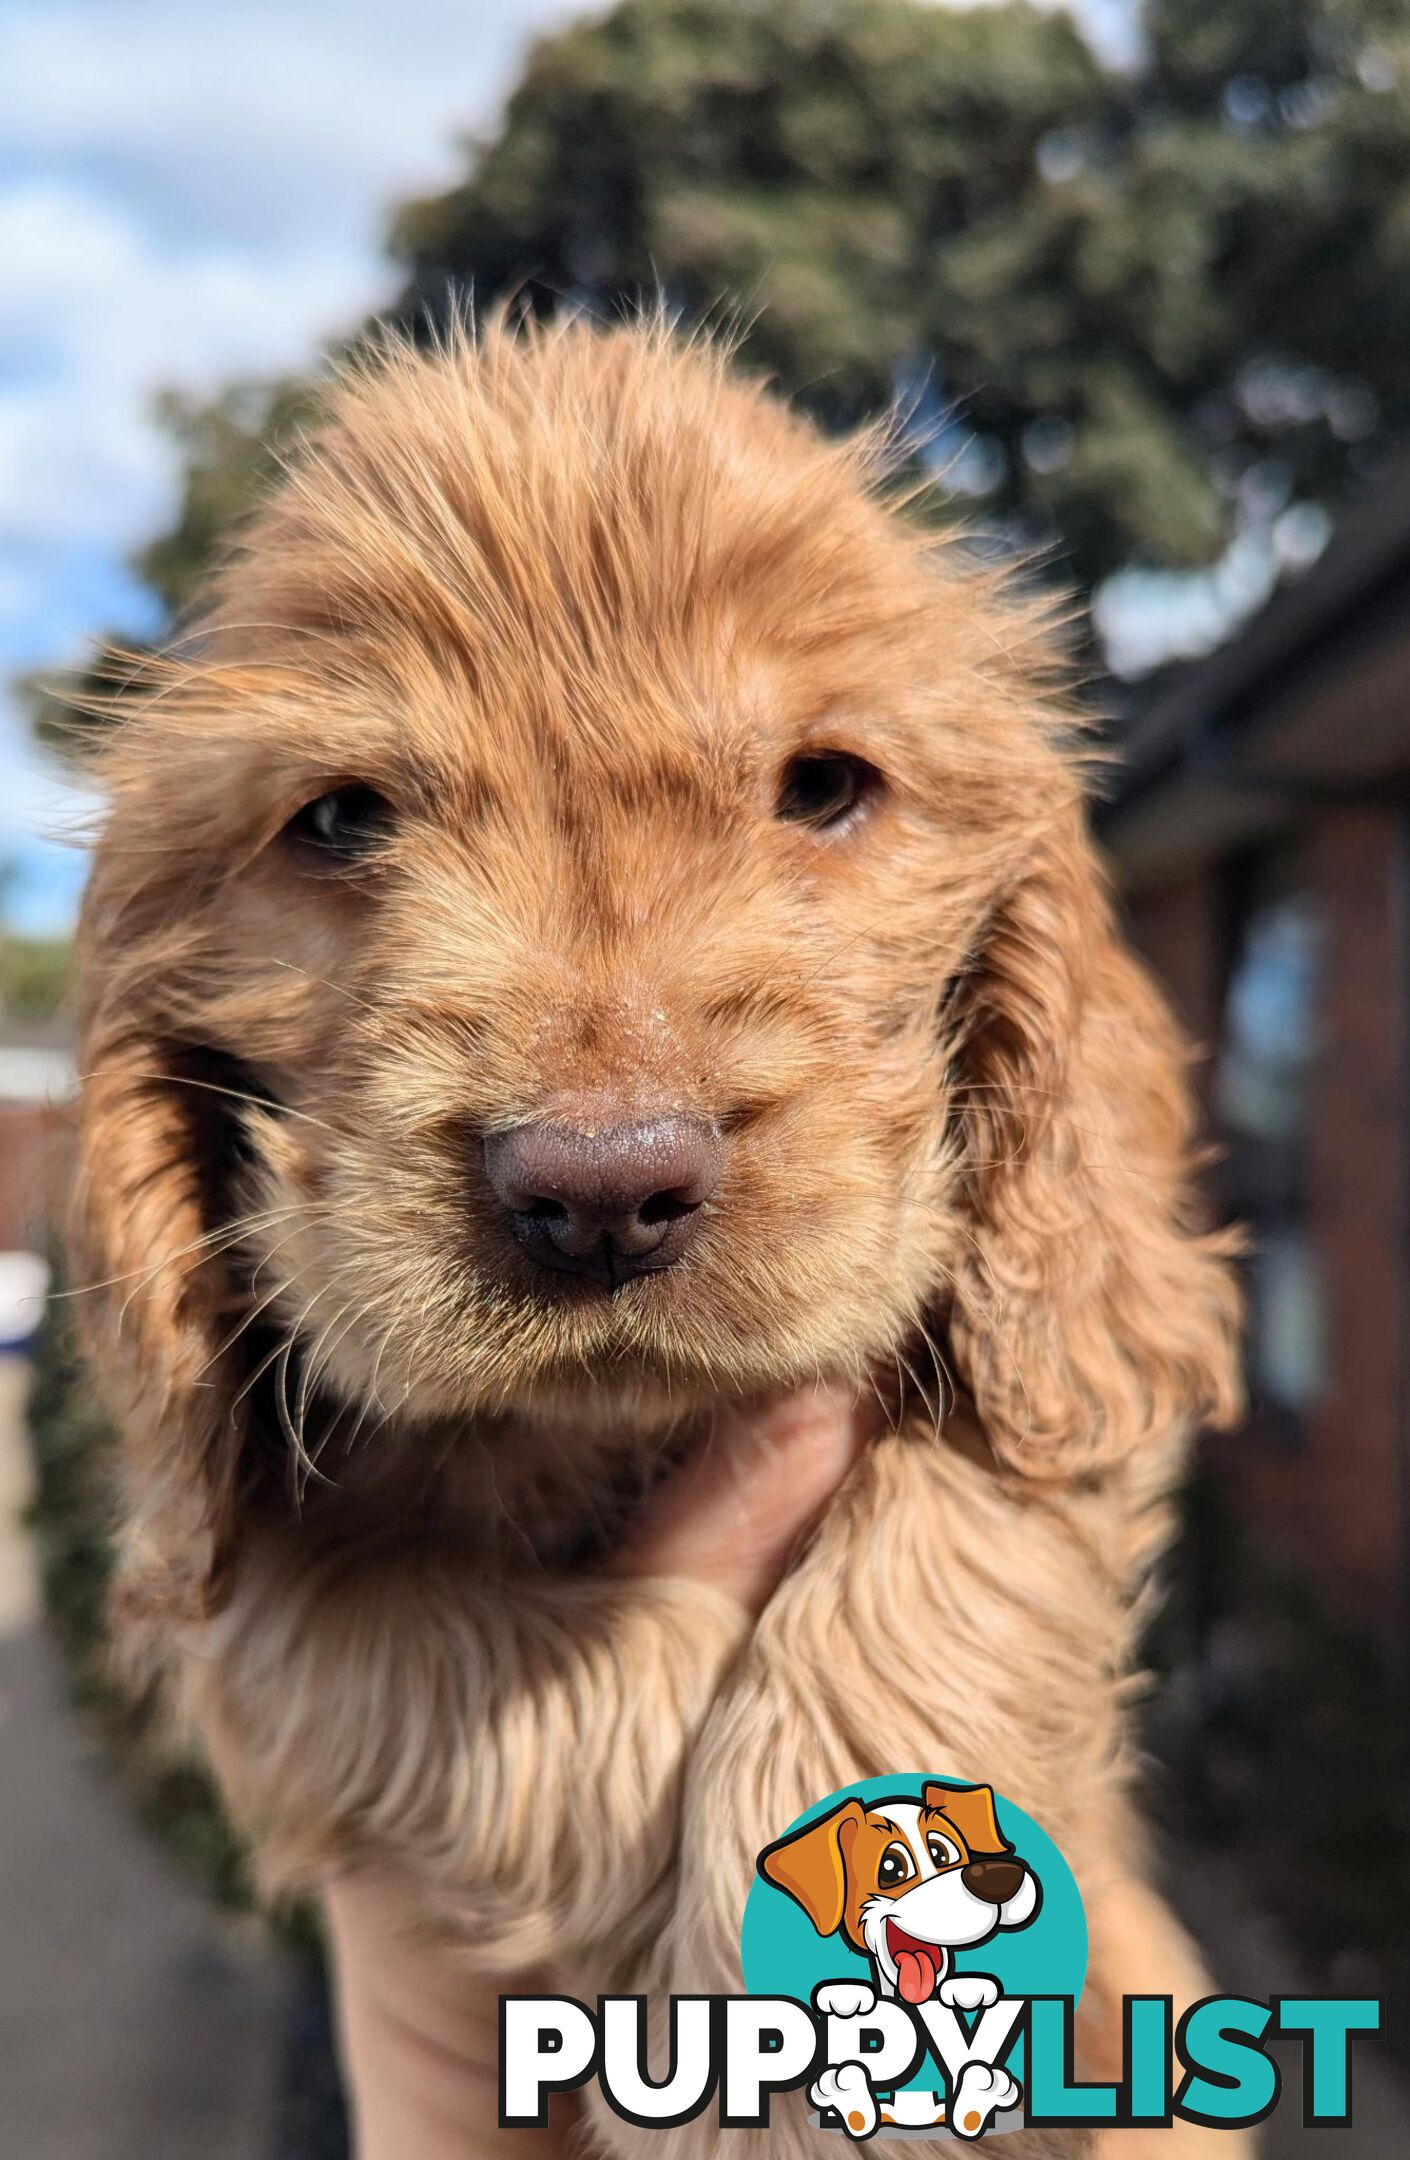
<point x="269" y="120"/>
<point x="188" y="193"/>
<point x="111" y="318"/>
<point x="192" y="190"/>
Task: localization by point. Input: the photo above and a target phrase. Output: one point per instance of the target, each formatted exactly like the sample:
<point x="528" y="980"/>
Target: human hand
<point x="419" y="2035"/>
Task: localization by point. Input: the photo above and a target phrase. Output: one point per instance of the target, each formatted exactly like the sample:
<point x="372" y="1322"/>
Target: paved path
<point x="19" y="1571"/>
<point x="134" y="2025"/>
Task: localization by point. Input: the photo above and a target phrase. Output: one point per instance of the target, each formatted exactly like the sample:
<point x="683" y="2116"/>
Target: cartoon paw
<point x="983" y="2089"/>
<point x="968" y="1991"/>
<point x="844" y="1999"/>
<point x="846" y="2087"/>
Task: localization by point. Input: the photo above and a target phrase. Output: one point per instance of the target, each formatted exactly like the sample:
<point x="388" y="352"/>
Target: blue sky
<point x="191" y="191"/>
<point x="188" y="193"/>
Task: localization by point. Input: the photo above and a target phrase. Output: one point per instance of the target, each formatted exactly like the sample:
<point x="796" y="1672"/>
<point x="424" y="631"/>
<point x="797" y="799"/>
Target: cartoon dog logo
<point x="907" y="1883"/>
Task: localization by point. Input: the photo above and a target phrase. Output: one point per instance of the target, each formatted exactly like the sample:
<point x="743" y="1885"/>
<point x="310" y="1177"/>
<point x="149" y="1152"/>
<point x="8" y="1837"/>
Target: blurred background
<point x="1142" y="275"/>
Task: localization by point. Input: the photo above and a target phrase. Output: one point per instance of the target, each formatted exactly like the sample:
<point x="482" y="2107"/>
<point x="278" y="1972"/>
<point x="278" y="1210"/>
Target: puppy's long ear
<point x="153" y="1298"/>
<point x="811" y="1865"/>
<point x="1091" y="1311"/>
<point x="971" y="1809"/>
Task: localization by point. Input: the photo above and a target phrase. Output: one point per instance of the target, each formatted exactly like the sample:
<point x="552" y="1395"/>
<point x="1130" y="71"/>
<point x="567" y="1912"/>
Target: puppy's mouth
<point x="917" y="1963"/>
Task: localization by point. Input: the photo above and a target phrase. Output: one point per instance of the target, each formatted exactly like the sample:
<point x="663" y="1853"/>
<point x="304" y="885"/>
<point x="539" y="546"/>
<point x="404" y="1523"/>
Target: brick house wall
<point x="1179" y="930"/>
<point x="29" y="1134"/>
<point x="1332" y="1500"/>
<point x="1353" y="1528"/>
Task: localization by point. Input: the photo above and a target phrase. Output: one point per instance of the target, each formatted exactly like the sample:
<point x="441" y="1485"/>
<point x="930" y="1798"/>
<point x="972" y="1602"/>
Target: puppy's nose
<point x="610" y="1200"/>
<point x="996" y="1881"/>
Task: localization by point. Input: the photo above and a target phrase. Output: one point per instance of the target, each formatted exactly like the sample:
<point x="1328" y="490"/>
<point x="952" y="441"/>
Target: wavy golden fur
<point x="570" y="601"/>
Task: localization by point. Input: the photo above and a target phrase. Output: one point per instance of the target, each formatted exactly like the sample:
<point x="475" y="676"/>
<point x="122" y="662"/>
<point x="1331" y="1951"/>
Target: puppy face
<point x="599" y="758"/>
<point x="594" y="918"/>
<point x="907" y="1882"/>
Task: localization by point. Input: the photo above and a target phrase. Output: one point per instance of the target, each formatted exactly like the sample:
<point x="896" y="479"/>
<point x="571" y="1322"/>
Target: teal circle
<point x="781" y="1952"/>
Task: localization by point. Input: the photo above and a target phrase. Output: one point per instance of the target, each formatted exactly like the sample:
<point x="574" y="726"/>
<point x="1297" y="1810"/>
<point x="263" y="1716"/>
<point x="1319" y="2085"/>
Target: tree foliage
<point x="33" y="976"/>
<point x="231" y="449"/>
<point x="1145" y="310"/>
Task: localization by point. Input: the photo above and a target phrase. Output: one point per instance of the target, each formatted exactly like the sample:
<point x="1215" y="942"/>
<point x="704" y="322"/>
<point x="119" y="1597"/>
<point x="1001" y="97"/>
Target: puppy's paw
<point x="983" y="2089"/>
<point x="844" y="1998"/>
<point x="846" y="2087"/>
<point x="968" y="1991"/>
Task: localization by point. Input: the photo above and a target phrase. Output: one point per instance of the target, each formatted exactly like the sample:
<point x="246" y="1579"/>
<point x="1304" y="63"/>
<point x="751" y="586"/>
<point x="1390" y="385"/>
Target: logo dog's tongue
<point x="916" y="1975"/>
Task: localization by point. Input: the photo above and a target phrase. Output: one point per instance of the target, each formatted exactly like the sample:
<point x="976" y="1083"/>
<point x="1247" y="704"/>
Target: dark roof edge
<point x="1367" y="551"/>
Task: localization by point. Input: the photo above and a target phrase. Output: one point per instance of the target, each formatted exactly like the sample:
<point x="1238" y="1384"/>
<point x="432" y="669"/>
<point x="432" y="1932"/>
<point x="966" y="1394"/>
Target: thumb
<point x="733" y="1514"/>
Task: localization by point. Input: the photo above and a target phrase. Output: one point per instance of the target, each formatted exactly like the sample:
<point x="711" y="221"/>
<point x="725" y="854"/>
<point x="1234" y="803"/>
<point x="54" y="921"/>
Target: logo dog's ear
<point x="971" y="1809"/>
<point x="810" y="1864"/>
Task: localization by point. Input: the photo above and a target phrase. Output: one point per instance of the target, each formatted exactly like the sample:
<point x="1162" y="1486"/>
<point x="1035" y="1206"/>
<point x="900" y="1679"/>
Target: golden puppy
<point x="595" y="922"/>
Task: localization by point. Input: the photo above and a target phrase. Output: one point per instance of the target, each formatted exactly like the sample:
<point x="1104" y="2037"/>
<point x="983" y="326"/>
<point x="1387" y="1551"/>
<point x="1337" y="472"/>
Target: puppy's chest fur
<point x="944" y="1618"/>
<point x="937" y="1622"/>
<point x="518" y="1497"/>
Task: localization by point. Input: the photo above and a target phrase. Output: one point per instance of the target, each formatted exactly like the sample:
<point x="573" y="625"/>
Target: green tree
<point x="231" y="449"/>
<point x="1144" y="310"/>
<point x="33" y="975"/>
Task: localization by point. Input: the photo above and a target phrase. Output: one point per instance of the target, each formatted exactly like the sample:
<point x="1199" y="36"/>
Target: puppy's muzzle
<point x="608" y="1197"/>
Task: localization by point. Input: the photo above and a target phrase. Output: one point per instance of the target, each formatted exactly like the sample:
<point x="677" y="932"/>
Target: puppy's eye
<point x="825" y="789"/>
<point x="942" y="1852"/>
<point x="344" y="826"/>
<point x="895" y="1867"/>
